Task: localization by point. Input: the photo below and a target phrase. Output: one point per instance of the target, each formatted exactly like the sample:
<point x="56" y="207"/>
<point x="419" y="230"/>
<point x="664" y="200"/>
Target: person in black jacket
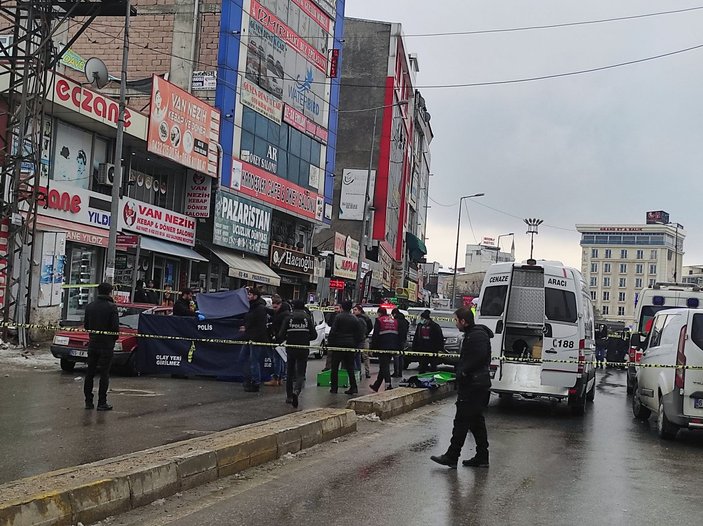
<point x="473" y="381"/>
<point x="255" y="330"/>
<point x="298" y="329"/>
<point x="403" y="329"/>
<point x="100" y="315"/>
<point x="367" y="324"/>
<point x="140" y="295"/>
<point x="279" y="312"/>
<point x="430" y="339"/>
<point x="185" y="306"/>
<point x="346" y="332"/>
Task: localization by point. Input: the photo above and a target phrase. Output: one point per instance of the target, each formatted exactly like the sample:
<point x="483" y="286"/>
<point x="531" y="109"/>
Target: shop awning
<point x="416" y="247"/>
<point x="246" y="267"/>
<point x="170" y="249"/>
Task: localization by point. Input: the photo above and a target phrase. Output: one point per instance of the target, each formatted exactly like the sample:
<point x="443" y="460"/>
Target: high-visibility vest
<point x="388" y="325"/>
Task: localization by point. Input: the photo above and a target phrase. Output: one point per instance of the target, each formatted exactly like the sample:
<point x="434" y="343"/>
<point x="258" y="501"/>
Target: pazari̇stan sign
<point x="241" y="224"/>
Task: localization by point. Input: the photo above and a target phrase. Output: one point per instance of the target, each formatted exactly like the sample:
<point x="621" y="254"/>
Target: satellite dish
<point x="96" y="72"/>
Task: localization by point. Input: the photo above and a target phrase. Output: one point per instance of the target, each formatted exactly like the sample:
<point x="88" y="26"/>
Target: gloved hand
<point x="201" y="316"/>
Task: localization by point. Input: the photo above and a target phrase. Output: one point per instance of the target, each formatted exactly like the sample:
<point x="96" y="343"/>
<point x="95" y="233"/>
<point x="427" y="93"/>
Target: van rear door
<point x="693" y="378"/>
<point x="561" y="328"/>
<point x="492" y="309"/>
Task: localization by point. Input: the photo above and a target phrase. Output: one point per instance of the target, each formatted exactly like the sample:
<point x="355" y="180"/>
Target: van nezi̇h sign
<point x="241" y="224"/>
<point x="292" y="261"/>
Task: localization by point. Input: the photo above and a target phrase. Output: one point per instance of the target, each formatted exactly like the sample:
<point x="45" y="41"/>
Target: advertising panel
<point x="241" y="224"/>
<point x="198" y="194"/>
<point x="340" y="244"/>
<point x="412" y="291"/>
<point x="344" y="267"/>
<point x="292" y="260"/>
<point x="386" y="268"/>
<point x="75" y="204"/>
<point x="301" y="123"/>
<point x="183" y="128"/>
<point x="351" y="204"/>
<point x="657" y="217"/>
<point x="154" y="221"/>
<point x="351" y="248"/>
<point x="280" y="193"/>
<point x="258" y="100"/>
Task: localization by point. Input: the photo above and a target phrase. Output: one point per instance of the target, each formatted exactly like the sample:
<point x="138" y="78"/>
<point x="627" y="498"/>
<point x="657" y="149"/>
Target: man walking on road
<point x="474" y="390"/>
<point x="346" y="332"/>
<point x="385" y="337"/>
<point x="100" y="316"/>
<point x="298" y="329"/>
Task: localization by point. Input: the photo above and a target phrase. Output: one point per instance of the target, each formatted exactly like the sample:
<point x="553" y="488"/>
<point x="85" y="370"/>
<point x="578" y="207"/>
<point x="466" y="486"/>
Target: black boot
<point x="444" y="460"/>
<point x="479" y="461"/>
<point x="351" y="391"/>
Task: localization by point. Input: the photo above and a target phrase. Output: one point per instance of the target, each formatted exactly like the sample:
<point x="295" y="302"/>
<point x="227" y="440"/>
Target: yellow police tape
<point x="228" y="341"/>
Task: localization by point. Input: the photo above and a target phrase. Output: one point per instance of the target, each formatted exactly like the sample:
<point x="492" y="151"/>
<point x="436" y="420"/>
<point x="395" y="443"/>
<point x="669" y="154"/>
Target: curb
<point x="398" y="401"/>
<point x="92" y="492"/>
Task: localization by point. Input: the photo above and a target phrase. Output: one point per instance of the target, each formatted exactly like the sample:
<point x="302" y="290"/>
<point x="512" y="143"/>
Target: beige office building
<point x="618" y="261"/>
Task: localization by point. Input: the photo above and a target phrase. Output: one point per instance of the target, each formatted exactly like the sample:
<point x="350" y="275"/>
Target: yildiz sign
<point x="292" y="261"/>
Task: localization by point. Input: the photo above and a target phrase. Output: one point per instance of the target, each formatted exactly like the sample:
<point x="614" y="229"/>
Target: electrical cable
<point x="471" y="226"/>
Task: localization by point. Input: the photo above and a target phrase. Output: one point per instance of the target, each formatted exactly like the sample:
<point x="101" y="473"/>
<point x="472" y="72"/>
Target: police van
<point x="661" y="296"/>
<point x="542" y="317"/>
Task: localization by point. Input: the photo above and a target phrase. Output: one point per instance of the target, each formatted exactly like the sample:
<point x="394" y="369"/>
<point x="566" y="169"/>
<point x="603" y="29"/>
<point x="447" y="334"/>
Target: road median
<point x="387" y="404"/>
<point x="92" y="492"/>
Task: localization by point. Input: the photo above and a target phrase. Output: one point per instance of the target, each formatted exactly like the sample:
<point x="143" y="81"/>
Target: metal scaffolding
<point x="28" y="55"/>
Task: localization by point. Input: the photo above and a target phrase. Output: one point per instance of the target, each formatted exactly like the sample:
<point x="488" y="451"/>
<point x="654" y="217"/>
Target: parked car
<point x="71" y="346"/>
<point x="452" y="336"/>
<point x="664" y="387"/>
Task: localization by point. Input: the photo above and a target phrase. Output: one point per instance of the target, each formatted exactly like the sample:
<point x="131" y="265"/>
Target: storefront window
<point x="83" y="270"/>
<point x="157" y="184"/>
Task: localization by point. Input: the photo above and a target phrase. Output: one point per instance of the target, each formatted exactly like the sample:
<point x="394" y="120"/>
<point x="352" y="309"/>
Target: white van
<point x="661" y="296"/>
<point x="542" y="317"/>
<point x="664" y="386"/>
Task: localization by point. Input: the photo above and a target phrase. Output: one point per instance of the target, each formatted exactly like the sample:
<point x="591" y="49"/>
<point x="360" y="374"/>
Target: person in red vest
<point x="385" y="337"/>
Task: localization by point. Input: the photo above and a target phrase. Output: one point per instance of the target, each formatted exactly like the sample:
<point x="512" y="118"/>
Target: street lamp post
<point x="456" y="252"/>
<point x="532" y="226"/>
<point x="502" y="235"/>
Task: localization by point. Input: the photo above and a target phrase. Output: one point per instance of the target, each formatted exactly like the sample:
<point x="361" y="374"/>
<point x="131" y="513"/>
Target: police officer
<point x="474" y="390"/>
<point x="346" y="332"/>
<point x="385" y="337"/>
<point x="297" y="329"/>
<point x="100" y="316"/>
<point x="428" y="339"/>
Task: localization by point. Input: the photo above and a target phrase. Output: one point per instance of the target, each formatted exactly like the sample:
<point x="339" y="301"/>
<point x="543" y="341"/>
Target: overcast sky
<point x="601" y="147"/>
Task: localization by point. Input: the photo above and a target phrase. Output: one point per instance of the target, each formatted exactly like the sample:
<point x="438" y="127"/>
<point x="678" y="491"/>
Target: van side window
<point x="560" y="305"/>
<point x="656" y="334"/>
<point x="493" y="301"/>
<point x="697" y="330"/>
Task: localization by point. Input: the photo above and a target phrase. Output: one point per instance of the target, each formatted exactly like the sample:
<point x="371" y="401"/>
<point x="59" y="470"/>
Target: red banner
<point x="301" y="123"/>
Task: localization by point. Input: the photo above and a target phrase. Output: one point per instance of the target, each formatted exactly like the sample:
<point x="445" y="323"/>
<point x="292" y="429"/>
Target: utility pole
<point x="364" y="219"/>
<point x="456" y="252"/>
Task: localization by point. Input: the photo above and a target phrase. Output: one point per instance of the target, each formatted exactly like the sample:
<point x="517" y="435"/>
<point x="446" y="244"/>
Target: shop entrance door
<point x="83" y="270"/>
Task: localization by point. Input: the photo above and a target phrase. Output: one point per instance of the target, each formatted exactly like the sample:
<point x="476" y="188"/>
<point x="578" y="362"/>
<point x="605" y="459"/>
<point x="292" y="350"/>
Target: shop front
<point x="344" y="269"/>
<point x="297" y="271"/>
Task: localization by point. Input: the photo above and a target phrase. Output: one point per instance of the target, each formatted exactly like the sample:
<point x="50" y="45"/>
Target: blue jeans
<point x="250" y="358"/>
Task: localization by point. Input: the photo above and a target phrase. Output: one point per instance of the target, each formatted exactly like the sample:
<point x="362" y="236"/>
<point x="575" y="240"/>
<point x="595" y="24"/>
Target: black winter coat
<point x="473" y="369"/>
<point x="101" y="315"/>
<point x="278" y="319"/>
<point x="346" y="331"/>
<point x="367" y="323"/>
<point x="256" y="322"/>
<point x="298" y="329"/>
<point x="182" y="308"/>
<point x="141" y="296"/>
<point x="435" y="343"/>
<point x="403" y="329"/>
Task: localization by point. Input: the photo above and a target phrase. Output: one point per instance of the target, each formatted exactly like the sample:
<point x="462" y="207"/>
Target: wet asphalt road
<point x="45" y="427"/>
<point x="547" y="467"/>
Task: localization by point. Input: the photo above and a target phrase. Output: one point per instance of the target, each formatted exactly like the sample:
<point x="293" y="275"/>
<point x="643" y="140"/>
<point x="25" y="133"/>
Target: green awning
<point x="416" y="247"/>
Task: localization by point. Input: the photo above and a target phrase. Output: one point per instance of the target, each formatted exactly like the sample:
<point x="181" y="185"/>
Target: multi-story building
<point x="619" y="260"/>
<point x="384" y="130"/>
<point x="479" y="257"/>
<point x="692" y="274"/>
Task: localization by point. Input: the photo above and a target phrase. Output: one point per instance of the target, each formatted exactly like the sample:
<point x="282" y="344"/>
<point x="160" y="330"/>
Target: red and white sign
<point x="340" y="244"/>
<point x="75" y="204"/>
<point x="183" y="128"/>
<point x="127" y="241"/>
<point x="103" y="109"/>
<point x="198" y="195"/>
<point x="318" y="15"/>
<point x="154" y="221"/>
<point x="278" y="28"/>
<point x="344" y="267"/>
<point x="282" y="194"/>
<point x="301" y="123"/>
<point x="261" y="101"/>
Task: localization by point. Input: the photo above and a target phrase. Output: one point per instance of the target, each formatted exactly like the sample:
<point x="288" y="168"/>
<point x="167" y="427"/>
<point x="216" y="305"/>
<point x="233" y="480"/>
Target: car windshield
<point x="129" y="316"/>
<point x="131" y="321"/>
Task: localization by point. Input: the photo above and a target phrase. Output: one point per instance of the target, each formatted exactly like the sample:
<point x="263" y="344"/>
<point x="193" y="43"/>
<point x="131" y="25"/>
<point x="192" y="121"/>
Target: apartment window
<point x="621" y="296"/>
<point x="623" y="254"/>
<point x="594" y="268"/>
<point x="604" y="309"/>
<point x="621" y="311"/>
<point x="622" y="283"/>
<point x="593" y="295"/>
<point x="608" y="253"/>
<point x="594" y="281"/>
<point x="606" y="267"/>
<point x="653" y="254"/>
<point x="651" y="282"/>
<point x="623" y="268"/>
<point x="594" y="252"/>
<point x="606" y="295"/>
<point x="606" y="281"/>
<point x="639" y="268"/>
<point x="652" y="269"/>
<point x="640" y="254"/>
<point x="638" y="283"/>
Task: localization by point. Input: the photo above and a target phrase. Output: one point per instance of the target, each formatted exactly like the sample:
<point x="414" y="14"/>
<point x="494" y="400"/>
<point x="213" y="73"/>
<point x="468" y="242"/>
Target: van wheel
<point x="130" y="368"/>
<point x="67" y="365"/>
<point x="591" y="395"/>
<point x="577" y="404"/>
<point x="638" y="410"/>
<point x="630" y="386"/>
<point x="665" y="429"/>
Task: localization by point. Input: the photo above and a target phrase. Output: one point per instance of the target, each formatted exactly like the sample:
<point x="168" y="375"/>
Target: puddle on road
<point x="134" y="392"/>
